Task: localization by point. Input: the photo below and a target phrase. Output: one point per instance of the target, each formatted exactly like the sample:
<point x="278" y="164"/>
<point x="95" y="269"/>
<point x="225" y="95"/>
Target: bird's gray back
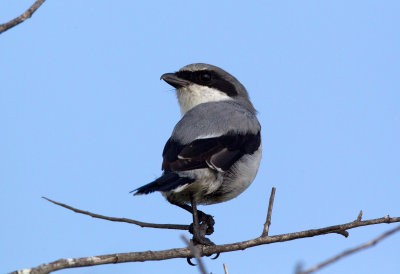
<point x="214" y="119"/>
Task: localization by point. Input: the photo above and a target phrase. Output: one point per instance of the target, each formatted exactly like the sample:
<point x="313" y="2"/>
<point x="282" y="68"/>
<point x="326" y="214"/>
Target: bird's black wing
<point x="218" y="153"/>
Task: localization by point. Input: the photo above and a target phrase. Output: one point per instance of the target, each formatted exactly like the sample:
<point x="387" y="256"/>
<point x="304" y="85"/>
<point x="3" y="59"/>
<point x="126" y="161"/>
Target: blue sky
<point x="84" y="119"/>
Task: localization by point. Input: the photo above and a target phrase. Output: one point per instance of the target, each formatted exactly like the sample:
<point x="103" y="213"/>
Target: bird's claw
<point x="188" y="259"/>
<point x="215" y="257"/>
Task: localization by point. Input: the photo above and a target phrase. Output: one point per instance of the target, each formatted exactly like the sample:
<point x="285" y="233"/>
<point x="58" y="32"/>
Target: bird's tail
<point x="168" y="181"/>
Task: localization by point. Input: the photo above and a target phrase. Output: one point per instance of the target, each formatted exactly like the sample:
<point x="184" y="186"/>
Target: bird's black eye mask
<point x="210" y="79"/>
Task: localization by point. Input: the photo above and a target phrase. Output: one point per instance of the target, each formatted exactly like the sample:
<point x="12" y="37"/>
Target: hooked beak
<point x="174" y="80"/>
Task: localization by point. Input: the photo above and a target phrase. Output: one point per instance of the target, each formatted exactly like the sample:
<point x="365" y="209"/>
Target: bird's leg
<point x="199" y="229"/>
<point x="202" y="217"/>
<point x="196" y="225"/>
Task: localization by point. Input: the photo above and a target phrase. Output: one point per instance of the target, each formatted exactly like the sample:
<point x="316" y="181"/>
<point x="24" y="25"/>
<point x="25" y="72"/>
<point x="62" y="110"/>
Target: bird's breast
<point x="193" y="95"/>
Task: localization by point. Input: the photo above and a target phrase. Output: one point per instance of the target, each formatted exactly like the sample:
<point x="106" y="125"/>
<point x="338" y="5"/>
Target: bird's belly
<point x="207" y="182"/>
<point x="213" y="187"/>
<point x="238" y="179"/>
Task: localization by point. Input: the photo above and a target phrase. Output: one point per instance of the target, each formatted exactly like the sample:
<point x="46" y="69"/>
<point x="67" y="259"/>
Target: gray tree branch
<point x="269" y="213"/>
<point x="203" y="250"/>
<point x="27" y="14"/>
<point x="196" y="253"/>
<point x="122" y="220"/>
<point x="350" y="251"/>
<point x="226" y="269"/>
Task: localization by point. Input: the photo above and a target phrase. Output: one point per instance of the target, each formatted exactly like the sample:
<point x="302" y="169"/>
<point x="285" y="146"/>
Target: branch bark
<point x="350" y="251"/>
<point x="204" y="250"/>
<point x="18" y="20"/>
<point x="226" y="269"/>
<point x="269" y="213"/>
<point x="122" y="220"/>
<point x="196" y="254"/>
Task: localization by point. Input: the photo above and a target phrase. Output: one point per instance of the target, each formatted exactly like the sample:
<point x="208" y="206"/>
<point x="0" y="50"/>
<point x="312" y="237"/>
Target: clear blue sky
<point x="84" y="118"/>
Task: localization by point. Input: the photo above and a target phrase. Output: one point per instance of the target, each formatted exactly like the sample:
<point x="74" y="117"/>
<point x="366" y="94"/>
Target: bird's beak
<point x="174" y="80"/>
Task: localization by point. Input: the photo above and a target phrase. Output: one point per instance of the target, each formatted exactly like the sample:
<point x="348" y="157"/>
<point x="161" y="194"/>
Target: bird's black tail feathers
<point x="168" y="181"/>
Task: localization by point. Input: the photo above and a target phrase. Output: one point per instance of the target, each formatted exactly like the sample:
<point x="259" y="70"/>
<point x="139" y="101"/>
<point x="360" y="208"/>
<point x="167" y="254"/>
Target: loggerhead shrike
<point x="214" y="152"/>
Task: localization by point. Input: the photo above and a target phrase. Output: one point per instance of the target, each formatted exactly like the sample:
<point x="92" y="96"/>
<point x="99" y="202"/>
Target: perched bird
<point x="214" y="151"/>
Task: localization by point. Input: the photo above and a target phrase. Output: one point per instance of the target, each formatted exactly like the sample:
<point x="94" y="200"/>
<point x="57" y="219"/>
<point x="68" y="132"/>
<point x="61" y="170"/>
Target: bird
<point x="215" y="149"/>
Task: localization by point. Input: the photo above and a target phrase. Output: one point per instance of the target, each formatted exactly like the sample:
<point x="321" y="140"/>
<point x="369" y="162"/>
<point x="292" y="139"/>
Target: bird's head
<point x="201" y="83"/>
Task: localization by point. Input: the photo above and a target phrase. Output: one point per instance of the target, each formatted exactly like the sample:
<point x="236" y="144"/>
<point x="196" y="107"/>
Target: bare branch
<point x="359" y="217"/>
<point x="351" y="251"/>
<point x="269" y="213"/>
<point x="196" y="253"/>
<point x="226" y="269"/>
<point x="342" y="232"/>
<point x="204" y="250"/>
<point x="122" y="220"/>
<point x="27" y="14"/>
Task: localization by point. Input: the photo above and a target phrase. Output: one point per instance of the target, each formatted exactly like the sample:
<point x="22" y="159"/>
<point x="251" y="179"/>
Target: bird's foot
<point x="206" y="223"/>
<point x="202" y="241"/>
<point x="208" y="220"/>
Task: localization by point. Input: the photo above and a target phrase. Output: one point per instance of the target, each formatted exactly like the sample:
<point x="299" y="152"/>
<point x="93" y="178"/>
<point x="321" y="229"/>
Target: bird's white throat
<point x="193" y="95"/>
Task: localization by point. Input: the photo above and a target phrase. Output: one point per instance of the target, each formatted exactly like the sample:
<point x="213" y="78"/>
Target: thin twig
<point x="226" y="269"/>
<point x="270" y="206"/>
<point x="359" y="217"/>
<point x="122" y="220"/>
<point x="350" y="251"/>
<point x="196" y="253"/>
<point x="205" y="251"/>
<point x="27" y="14"/>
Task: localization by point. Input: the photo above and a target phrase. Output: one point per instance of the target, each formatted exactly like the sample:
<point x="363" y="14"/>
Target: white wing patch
<point x="212" y="166"/>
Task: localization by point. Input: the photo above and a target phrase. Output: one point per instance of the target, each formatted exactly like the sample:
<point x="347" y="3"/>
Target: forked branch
<point x="350" y="251"/>
<point x="202" y="250"/>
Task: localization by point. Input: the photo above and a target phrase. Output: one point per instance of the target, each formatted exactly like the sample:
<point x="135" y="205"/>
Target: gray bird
<point x="214" y="151"/>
